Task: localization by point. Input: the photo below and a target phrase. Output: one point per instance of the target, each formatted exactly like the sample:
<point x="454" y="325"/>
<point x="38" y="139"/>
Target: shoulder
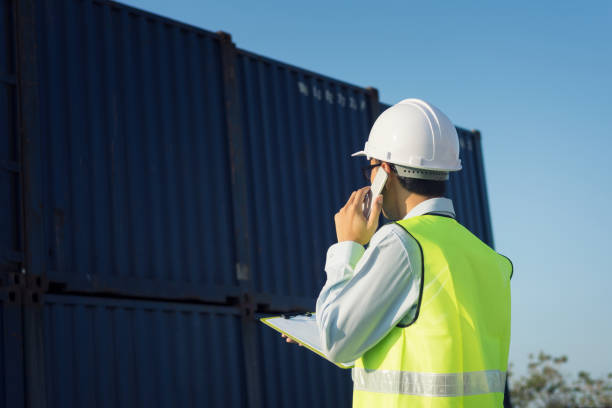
<point x="394" y="235"/>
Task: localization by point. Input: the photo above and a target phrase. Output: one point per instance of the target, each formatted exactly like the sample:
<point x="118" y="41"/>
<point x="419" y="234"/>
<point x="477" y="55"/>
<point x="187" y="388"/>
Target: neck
<point x="411" y="200"/>
<point x="399" y="201"/>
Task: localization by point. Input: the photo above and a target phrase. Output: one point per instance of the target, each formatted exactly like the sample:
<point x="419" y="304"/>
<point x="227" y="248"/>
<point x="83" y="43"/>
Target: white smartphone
<point x="375" y="190"/>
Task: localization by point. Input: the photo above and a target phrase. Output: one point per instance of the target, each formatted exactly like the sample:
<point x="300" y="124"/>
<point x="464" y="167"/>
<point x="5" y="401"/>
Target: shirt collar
<point x="438" y="205"/>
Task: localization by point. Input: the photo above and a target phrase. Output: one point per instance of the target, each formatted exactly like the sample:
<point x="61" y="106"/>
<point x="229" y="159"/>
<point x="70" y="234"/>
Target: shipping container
<point x="128" y="353"/>
<point x="134" y="180"/>
<point x="300" y="129"/>
<point x="11" y="349"/>
<point x="11" y="249"/>
<point x="118" y="353"/>
<point x="467" y="187"/>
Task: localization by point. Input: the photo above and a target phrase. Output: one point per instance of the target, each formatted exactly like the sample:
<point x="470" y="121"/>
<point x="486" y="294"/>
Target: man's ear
<point x="387" y="167"/>
<point x="391" y="176"/>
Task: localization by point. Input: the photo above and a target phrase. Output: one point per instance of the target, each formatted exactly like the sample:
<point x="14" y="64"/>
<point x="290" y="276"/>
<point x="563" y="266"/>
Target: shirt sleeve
<point x="367" y="292"/>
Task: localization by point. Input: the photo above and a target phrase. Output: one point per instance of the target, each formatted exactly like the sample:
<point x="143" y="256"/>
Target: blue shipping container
<point x="300" y="128"/>
<point x="119" y="353"/>
<point x="11" y="248"/>
<point x="12" y="391"/>
<point x="134" y="179"/>
<point x="468" y="188"/>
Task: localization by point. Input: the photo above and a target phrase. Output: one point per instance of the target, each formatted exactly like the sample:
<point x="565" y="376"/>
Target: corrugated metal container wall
<point x="467" y="187"/>
<point x="11" y="251"/>
<point x="12" y="365"/>
<point x="295" y="377"/>
<point x="118" y="353"/>
<point x="132" y="113"/>
<point x="11" y="350"/>
<point x="300" y="129"/>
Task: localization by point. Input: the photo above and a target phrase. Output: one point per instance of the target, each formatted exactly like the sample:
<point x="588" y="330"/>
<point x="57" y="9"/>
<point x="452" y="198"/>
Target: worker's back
<point x="456" y="351"/>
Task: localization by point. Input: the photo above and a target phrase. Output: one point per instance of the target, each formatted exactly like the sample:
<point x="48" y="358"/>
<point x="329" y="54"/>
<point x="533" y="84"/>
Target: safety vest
<point x="455" y="351"/>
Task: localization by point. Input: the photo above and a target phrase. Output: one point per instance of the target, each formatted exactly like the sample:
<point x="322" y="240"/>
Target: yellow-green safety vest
<point x="455" y="351"/>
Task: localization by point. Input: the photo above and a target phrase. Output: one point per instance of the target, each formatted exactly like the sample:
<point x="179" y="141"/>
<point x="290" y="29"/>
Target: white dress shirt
<point x="370" y="291"/>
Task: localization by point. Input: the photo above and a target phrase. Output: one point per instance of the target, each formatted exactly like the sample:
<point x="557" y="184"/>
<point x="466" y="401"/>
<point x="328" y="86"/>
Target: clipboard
<point x="302" y="328"/>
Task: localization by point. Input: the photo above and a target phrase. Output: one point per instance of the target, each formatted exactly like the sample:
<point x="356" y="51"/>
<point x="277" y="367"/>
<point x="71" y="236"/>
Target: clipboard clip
<point x="294" y="314"/>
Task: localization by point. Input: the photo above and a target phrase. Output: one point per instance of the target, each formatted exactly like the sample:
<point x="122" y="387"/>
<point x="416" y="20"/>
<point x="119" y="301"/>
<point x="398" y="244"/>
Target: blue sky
<point x="535" y="78"/>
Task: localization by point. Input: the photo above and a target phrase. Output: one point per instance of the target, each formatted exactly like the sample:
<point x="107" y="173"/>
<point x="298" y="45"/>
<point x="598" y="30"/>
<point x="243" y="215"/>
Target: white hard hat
<point x="418" y="138"/>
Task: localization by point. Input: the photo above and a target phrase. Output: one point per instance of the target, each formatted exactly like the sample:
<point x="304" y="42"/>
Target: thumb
<point x="375" y="212"/>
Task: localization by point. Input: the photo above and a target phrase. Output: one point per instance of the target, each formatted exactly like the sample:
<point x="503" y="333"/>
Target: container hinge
<point x="12" y="285"/>
<point x="247" y="307"/>
<point x="37" y="283"/>
<point x="11" y="280"/>
<point x="11" y="296"/>
<point x="32" y="297"/>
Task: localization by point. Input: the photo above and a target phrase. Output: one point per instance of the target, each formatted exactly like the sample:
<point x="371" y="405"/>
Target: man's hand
<point x="290" y="340"/>
<point x="351" y="225"/>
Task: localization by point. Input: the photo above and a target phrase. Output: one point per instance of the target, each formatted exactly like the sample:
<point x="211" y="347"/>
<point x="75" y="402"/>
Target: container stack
<point x="161" y="190"/>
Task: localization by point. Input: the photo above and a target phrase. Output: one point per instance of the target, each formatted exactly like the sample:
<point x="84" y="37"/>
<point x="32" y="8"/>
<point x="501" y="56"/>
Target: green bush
<point x="545" y="386"/>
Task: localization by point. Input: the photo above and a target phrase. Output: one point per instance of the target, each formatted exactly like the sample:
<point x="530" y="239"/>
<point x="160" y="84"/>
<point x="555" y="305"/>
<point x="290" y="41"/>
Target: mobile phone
<point x="375" y="190"/>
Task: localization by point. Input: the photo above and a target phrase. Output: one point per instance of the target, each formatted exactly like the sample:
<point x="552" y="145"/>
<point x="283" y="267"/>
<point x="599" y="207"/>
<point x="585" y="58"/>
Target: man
<point x="424" y="311"/>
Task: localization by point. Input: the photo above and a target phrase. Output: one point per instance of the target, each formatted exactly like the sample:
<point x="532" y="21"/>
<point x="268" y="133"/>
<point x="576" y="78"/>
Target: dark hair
<point x="430" y="188"/>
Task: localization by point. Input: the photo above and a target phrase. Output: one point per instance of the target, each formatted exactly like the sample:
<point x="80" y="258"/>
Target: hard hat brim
<point x="359" y="153"/>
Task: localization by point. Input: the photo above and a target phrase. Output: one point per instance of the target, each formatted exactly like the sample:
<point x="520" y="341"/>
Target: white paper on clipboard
<point x="303" y="329"/>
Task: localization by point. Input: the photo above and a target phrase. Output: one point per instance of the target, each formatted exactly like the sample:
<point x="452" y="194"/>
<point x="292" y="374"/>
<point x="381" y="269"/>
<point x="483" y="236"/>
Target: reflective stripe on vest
<point x="429" y="384"/>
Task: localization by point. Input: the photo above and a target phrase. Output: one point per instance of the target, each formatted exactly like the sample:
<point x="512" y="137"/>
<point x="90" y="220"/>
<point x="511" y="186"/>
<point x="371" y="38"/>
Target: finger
<point x="351" y="199"/>
<point x="375" y="212"/>
<point x="361" y="195"/>
<point x="292" y="341"/>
